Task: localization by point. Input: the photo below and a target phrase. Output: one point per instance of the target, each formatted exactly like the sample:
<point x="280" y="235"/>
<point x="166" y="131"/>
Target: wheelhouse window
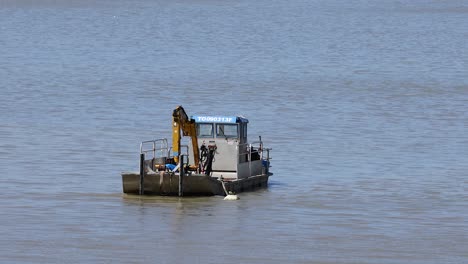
<point x="205" y="130"/>
<point x="227" y="130"/>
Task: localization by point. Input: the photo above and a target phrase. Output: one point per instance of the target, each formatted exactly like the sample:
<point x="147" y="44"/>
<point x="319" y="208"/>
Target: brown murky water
<point x="364" y="104"/>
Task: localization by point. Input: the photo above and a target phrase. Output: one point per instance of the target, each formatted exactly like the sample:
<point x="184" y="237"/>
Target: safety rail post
<point x="250" y="159"/>
<point x="181" y="175"/>
<point x="142" y="173"/>
<point x="268" y="159"/>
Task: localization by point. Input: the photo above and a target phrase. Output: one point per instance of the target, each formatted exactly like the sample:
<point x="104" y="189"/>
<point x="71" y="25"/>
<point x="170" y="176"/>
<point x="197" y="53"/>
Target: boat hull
<point x="166" y="183"/>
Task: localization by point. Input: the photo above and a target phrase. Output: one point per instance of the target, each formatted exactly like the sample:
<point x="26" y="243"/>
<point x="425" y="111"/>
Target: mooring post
<point x="142" y="173"/>
<point x="181" y="176"/>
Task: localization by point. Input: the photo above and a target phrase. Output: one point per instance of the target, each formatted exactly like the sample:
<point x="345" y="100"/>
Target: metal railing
<point x="158" y="147"/>
<point x="253" y="148"/>
<point x="184" y="151"/>
<point x="254" y="151"/>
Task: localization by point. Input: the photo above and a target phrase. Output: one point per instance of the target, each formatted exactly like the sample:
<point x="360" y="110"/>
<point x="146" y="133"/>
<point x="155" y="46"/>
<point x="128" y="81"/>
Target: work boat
<point x="219" y="161"/>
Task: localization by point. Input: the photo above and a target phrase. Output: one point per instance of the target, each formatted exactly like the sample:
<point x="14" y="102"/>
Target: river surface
<point x="365" y="104"/>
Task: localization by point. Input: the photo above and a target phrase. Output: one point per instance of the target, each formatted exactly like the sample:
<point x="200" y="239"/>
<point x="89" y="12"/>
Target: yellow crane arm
<point x="182" y="123"/>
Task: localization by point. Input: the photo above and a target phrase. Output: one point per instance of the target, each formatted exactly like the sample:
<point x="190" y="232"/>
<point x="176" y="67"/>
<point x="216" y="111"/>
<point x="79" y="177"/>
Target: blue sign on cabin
<point x="215" y="119"/>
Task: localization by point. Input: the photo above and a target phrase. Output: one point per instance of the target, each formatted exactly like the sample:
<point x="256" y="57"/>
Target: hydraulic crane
<point x="182" y="123"/>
